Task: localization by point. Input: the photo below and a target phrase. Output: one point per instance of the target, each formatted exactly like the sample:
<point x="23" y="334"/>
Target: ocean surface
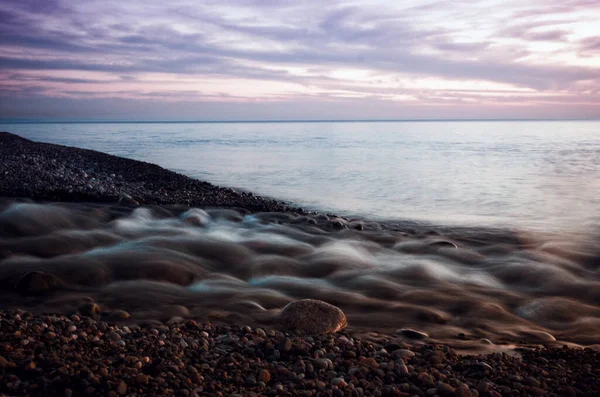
<point x="538" y="175"/>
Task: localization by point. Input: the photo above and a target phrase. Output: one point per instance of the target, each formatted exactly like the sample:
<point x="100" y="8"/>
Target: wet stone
<point x="312" y="317"/>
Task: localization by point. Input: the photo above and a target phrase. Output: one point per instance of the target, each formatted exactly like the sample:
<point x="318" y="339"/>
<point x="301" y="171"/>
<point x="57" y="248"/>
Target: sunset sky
<point x="275" y="59"/>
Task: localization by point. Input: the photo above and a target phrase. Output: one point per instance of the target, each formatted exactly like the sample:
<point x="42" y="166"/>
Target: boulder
<point x="38" y="283"/>
<point x="312" y="316"/>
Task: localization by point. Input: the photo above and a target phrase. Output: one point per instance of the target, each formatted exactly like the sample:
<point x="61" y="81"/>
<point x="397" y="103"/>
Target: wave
<point x="461" y="286"/>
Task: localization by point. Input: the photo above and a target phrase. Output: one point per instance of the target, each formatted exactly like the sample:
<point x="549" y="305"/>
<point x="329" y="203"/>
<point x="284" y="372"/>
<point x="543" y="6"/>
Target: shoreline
<point x="106" y="211"/>
<point x="76" y="355"/>
<point x="71" y="174"/>
<point x="63" y="173"/>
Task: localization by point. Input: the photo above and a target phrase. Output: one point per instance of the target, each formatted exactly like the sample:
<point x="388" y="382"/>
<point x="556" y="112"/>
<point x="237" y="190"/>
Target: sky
<point x="300" y="59"/>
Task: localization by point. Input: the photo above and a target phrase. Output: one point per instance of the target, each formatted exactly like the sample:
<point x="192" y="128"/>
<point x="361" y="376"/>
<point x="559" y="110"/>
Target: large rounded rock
<point x="312" y="317"/>
<point x="38" y="283"/>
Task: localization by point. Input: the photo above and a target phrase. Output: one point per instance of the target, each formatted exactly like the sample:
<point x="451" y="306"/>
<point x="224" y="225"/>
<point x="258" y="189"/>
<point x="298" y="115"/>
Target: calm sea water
<point x="527" y="174"/>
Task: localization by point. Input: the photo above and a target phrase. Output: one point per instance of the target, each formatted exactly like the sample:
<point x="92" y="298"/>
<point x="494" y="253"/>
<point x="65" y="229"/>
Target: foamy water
<point x="534" y="175"/>
<point x="220" y="265"/>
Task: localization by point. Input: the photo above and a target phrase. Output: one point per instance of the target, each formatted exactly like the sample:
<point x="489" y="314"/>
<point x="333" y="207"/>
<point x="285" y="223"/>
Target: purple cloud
<point x="293" y="50"/>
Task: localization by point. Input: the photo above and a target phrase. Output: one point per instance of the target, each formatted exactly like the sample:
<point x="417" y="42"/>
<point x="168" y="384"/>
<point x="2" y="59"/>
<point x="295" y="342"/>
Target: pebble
<point x="339" y="382"/>
<point x="402" y="369"/>
<point x="413" y="334"/>
<point x="285" y="345"/>
<point x="142" y="379"/>
<point x="122" y="388"/>
<point x="120" y="314"/>
<point x="260" y="333"/>
<point x="369" y="363"/>
<point x="531" y="381"/>
<point x="321" y="363"/>
<point x="445" y="389"/>
<point x="463" y="391"/>
<point x="264" y="376"/>
<point x="89" y="309"/>
<point x="312" y="317"/>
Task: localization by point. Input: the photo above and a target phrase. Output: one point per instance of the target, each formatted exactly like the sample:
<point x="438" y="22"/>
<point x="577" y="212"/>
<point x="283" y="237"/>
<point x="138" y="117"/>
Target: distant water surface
<point x="541" y="175"/>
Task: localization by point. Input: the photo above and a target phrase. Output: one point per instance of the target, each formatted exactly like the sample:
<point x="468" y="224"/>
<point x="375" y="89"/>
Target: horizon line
<point x="113" y="121"/>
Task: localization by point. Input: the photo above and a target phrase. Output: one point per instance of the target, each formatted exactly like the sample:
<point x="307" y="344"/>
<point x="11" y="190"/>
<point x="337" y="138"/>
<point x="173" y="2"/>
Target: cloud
<point x="296" y="50"/>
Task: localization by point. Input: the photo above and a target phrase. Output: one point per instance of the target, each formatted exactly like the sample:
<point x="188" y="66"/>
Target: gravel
<point x="45" y="171"/>
<point x="78" y="355"/>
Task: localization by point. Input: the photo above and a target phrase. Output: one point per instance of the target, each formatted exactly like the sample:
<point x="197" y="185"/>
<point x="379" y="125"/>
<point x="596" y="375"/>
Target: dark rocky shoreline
<point x="56" y="355"/>
<point x="73" y="356"/>
<point x="43" y="171"/>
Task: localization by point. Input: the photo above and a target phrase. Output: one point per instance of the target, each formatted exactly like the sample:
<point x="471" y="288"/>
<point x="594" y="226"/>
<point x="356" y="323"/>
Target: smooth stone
<point x="402" y="369"/>
<point x="413" y="334"/>
<point x="313" y="317"/>
<point x="404" y="353"/>
<point x="122" y="388"/>
<point x="446" y="390"/>
<point x="321" y="363"/>
<point x="127" y="201"/>
<point x="339" y="382"/>
<point x="369" y="362"/>
<point x="119" y="314"/>
<point x="285" y="345"/>
<point x="264" y="376"/>
<point x="38" y="283"/>
<point x="89" y="309"/>
<point x="463" y="391"/>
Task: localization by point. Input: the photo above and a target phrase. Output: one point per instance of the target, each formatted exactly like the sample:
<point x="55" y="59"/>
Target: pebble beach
<point x="123" y="278"/>
<point x="72" y="356"/>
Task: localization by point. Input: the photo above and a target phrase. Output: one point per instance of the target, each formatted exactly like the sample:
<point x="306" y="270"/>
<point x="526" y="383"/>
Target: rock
<point x="122" y="388"/>
<point x="313" y="317"/>
<point x="264" y="376"/>
<point x="402" y="369"/>
<point x="463" y="391"/>
<point x="484" y="387"/>
<point x="445" y="389"/>
<point x="285" y="345"/>
<point x="531" y="381"/>
<point x="321" y="363"/>
<point x="38" y="283"/>
<point x="339" y="382"/>
<point x="119" y="315"/>
<point x="179" y="311"/>
<point x="369" y="362"/>
<point x="260" y="333"/>
<point x="196" y="217"/>
<point x="142" y="379"/>
<point x="127" y="201"/>
<point x="426" y="379"/>
<point x="89" y="309"/>
<point x="413" y="334"/>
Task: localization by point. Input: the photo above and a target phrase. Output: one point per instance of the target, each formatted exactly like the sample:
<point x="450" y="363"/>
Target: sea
<point x="537" y="175"/>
